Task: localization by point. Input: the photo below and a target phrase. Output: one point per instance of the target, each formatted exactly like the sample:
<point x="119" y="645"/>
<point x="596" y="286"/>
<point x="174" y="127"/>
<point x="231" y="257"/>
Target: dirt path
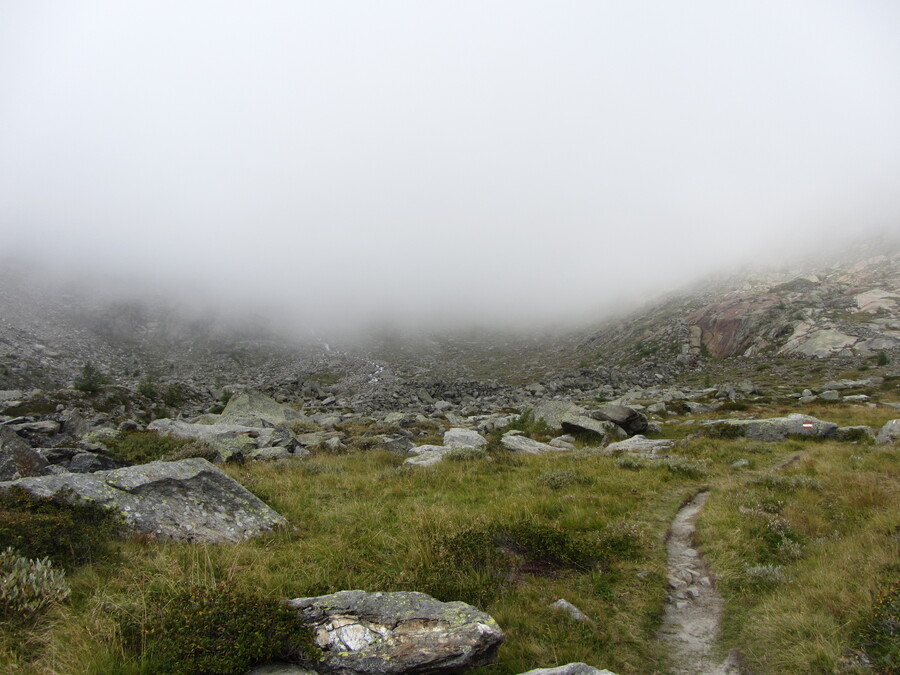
<point x="694" y="606"/>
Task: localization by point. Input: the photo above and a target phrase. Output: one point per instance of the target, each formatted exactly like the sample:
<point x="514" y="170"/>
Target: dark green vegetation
<point x="139" y="447"/>
<point x="197" y="630"/>
<point x="91" y="379"/>
<point x="69" y="536"/>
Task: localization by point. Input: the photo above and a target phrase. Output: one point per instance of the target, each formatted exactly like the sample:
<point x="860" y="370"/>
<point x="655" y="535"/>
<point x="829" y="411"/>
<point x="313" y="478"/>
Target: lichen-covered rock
<point x="463" y="438"/>
<point x="254" y="409"/>
<point x="17" y="458"/>
<point x="641" y="445"/>
<point x="391" y="633"/>
<point x="552" y="413"/>
<point x="528" y="446"/>
<point x="190" y="499"/>
<point x="228" y="438"/>
<point x="890" y="433"/>
<point x="775" y="429"/>
<point x="629" y="419"/>
<point x="570" y="669"/>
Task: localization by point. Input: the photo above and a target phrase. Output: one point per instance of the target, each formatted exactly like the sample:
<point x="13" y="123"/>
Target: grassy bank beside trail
<point x="802" y="555"/>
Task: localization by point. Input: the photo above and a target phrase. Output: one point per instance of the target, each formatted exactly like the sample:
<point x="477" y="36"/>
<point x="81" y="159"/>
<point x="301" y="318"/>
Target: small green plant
<point x="722" y="431"/>
<point x="173" y="396"/>
<point x="879" y="636"/>
<point x="147" y="387"/>
<point x="202" y="630"/>
<point x="91" y="380"/>
<point x="140" y="447"/>
<point x="28" y="586"/>
<point x="883" y="359"/>
<point x="304" y="426"/>
<point x="69" y="535"/>
<point x="763" y="577"/>
<point x="788" y="483"/>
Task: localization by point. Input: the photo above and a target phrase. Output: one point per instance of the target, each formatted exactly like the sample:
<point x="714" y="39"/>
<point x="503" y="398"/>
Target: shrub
<point x="879" y="637"/>
<point x="147" y="387"/>
<point x="304" y="426"/>
<point x="883" y="359"/>
<point x="91" y="380"/>
<point x="764" y="576"/>
<point x="173" y="396"/>
<point x="69" y="535"/>
<point x="216" y="630"/>
<point x="28" y="586"/>
<point x="140" y="447"/>
<point x="476" y="564"/>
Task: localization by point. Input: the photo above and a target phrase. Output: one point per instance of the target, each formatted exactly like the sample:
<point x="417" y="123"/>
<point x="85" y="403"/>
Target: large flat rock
<point x="190" y="499"/>
<point x="775" y="429"/>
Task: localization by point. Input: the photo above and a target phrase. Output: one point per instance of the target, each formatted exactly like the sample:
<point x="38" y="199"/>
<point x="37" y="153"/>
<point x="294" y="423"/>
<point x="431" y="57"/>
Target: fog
<point x="441" y="163"/>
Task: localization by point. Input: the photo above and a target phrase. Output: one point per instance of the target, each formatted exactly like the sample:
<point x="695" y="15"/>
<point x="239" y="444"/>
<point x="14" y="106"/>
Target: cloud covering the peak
<point x="442" y="161"/>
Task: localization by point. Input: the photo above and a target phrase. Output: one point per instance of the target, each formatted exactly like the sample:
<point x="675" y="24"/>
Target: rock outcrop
<point x="890" y="433"/>
<point x="17" y="458"/>
<point x="391" y="633"/>
<point x="188" y="500"/>
<point x="775" y="429"/>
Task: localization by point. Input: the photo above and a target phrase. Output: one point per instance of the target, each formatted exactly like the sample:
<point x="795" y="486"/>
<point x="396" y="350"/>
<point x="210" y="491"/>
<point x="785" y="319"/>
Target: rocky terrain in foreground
<point x="137" y="409"/>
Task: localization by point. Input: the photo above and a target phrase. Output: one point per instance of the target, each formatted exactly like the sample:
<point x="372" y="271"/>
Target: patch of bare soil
<point x="694" y="607"/>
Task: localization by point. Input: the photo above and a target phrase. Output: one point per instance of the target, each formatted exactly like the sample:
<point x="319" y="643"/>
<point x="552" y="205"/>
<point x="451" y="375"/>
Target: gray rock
<point x="227" y="438"/>
<point x="17" y="458"/>
<point x="525" y="445"/>
<point x="398" y="443"/>
<point x="552" y="413"/>
<point x="91" y="462"/>
<point x="570" y="669"/>
<point x="641" y="445"/>
<point x="252" y="408"/>
<point x="890" y="433"/>
<point x="775" y="429"/>
<point x="582" y="424"/>
<point x="629" y="419"/>
<point x="463" y="438"/>
<point x="570" y="609"/>
<point x="830" y="395"/>
<point x="393" y="633"/>
<point x="443" y="406"/>
<point x="39" y="427"/>
<point x="740" y="463"/>
<point x="272" y="454"/>
<point x="563" y="443"/>
<point x="334" y="444"/>
<point x="189" y="500"/>
<point x="856" y="398"/>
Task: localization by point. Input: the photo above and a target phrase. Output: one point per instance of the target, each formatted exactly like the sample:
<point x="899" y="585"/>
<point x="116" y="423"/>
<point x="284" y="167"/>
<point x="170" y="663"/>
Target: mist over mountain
<point x="440" y="165"/>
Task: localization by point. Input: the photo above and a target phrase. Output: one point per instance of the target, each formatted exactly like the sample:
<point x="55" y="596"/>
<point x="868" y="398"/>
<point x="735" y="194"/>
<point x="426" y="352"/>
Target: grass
<point x="800" y="553"/>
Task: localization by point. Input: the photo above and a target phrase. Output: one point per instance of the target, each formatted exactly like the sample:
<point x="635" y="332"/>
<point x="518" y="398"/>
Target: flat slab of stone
<point x="253" y="408"/>
<point x="641" y="445"/>
<point x="775" y="429"/>
<point x="528" y="446"/>
<point x="190" y="499"/>
<point x="393" y="633"/>
<point x="632" y="421"/>
<point x="552" y="413"/>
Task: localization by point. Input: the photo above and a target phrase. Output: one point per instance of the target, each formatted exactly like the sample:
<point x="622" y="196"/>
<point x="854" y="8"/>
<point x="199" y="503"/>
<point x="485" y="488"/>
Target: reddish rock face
<point x="728" y="328"/>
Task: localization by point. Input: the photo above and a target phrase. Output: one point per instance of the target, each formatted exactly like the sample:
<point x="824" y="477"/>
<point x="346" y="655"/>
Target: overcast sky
<point x="434" y="160"/>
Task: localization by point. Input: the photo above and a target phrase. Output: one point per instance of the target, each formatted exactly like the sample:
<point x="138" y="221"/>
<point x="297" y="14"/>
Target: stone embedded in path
<point x="190" y="499"/>
<point x="391" y="633"/>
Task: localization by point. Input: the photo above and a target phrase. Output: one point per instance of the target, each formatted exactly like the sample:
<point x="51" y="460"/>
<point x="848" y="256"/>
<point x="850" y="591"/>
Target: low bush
<point x="879" y="636"/>
<point x="556" y="480"/>
<point x="69" y="535"/>
<point x="681" y="466"/>
<point x="778" y="482"/>
<point x="140" y="447"/>
<point x="219" y="630"/>
<point x="630" y="463"/>
<point x="28" y="586"/>
<point x="91" y="380"/>
<point x="722" y="431"/>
